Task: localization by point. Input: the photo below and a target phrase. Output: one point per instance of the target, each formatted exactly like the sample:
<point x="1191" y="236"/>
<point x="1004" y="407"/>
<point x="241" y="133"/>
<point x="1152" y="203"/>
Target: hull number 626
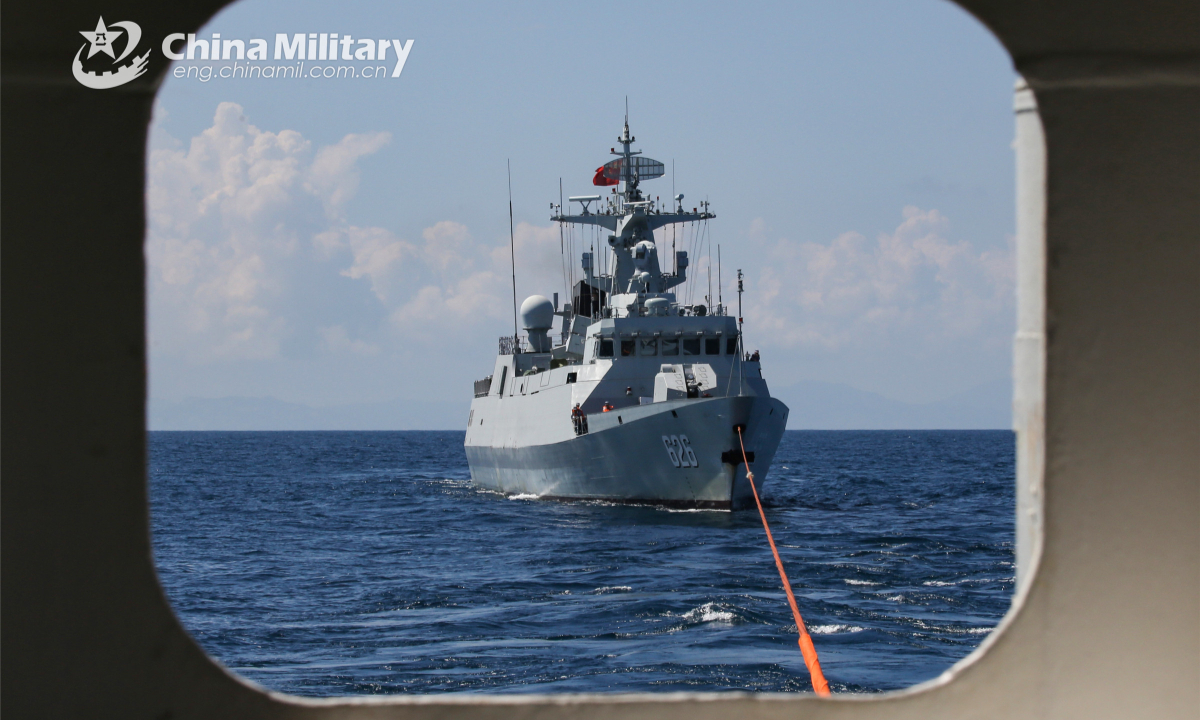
<point x="679" y="449"/>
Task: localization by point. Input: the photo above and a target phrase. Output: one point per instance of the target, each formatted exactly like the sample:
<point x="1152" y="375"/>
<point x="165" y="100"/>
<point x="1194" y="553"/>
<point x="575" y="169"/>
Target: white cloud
<point x="223" y="213"/>
<point x="470" y="283"/>
<point x="379" y="256"/>
<point x="912" y="283"/>
<point x="537" y="253"/>
<point x="250" y="249"/>
<point x="337" y="340"/>
<point x="333" y="175"/>
<point x="448" y="247"/>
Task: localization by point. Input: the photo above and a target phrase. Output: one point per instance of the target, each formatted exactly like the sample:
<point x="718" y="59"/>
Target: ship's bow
<point x="766" y="420"/>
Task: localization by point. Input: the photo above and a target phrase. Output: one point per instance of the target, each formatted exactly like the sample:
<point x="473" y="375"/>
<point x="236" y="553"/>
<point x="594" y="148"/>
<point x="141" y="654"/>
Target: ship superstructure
<point x="639" y="398"/>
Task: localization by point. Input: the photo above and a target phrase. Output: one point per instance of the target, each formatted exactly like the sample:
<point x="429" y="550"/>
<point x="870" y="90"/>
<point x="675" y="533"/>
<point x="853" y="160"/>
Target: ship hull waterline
<point x="628" y="461"/>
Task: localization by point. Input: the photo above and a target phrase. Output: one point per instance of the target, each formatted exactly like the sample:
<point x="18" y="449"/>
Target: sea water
<point x="342" y="563"/>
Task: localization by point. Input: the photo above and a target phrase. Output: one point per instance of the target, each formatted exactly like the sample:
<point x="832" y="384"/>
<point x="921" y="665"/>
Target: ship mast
<point x="635" y="270"/>
<point x="629" y="175"/>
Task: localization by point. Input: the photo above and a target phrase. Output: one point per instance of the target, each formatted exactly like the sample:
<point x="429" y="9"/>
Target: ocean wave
<point x="860" y="582"/>
<point x="611" y="589"/>
<point x="951" y="630"/>
<point x="708" y="612"/>
<point x="457" y="482"/>
<point x="523" y="496"/>
<point x="831" y="629"/>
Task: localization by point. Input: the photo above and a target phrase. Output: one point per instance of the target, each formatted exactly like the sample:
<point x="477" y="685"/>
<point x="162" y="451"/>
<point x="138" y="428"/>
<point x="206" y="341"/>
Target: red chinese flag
<point x="602" y="181"/>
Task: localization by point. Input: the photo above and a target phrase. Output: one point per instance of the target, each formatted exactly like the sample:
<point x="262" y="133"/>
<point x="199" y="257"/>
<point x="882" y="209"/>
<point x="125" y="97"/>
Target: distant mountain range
<point x="249" y="413"/>
<point x="814" y="406"/>
<point x="831" y="406"/>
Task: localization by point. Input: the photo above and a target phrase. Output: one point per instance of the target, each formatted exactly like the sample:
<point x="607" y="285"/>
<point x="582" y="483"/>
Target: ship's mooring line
<point x="820" y="686"/>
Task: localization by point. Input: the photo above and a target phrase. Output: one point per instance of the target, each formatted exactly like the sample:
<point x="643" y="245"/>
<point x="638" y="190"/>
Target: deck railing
<point x="511" y="345"/>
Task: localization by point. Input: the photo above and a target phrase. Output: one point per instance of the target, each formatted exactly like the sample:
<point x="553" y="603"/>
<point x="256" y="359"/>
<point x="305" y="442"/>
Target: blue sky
<point x="331" y="242"/>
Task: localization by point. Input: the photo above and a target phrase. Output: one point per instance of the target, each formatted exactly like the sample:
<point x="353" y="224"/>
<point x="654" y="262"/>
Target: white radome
<point x="537" y="313"/>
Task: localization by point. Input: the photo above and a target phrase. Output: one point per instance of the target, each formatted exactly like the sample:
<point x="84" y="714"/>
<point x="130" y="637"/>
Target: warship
<point x="640" y="398"/>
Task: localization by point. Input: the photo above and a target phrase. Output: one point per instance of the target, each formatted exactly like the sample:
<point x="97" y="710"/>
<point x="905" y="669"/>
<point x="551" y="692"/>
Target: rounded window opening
<point x="330" y="264"/>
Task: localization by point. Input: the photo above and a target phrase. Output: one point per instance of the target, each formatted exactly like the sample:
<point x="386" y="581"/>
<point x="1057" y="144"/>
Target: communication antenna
<point x="708" y="236"/>
<point x="720" y="298"/>
<point x="741" y="341"/>
<point x="740" y="306"/>
<point x="562" y="246"/>
<point x="708" y="297"/>
<point x="512" y="244"/>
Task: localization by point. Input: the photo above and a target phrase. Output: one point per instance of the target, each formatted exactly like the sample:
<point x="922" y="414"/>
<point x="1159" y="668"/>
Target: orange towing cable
<point x="820" y="686"/>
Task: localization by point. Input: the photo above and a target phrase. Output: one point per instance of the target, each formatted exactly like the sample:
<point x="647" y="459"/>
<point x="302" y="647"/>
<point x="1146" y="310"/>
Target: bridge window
<point x="731" y="346"/>
<point x="649" y="346"/>
<point x="627" y="348"/>
<point x="691" y="346"/>
<point x="606" y="348"/>
<point x="670" y="346"/>
<point x="712" y="346"/>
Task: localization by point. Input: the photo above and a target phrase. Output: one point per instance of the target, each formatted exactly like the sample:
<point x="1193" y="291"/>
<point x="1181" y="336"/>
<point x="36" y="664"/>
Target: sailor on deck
<point x="579" y="420"/>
